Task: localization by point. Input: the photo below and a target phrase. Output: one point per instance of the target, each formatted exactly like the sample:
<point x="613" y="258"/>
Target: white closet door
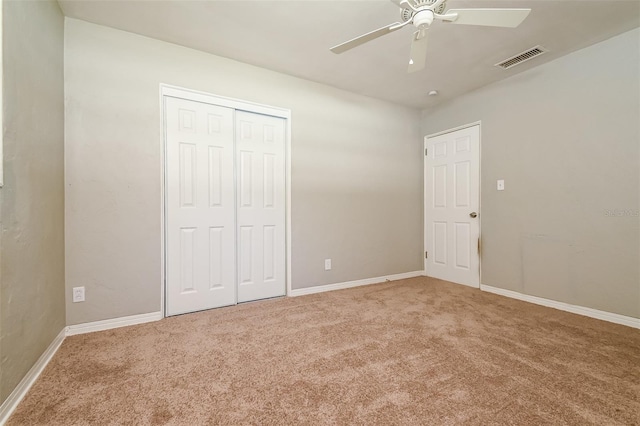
<point x="200" y="206"/>
<point x="260" y="156"/>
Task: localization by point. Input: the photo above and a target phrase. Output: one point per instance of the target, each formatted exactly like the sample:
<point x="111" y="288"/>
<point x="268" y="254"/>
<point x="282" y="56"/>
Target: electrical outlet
<point x="327" y="264"/>
<point x="78" y="294"/>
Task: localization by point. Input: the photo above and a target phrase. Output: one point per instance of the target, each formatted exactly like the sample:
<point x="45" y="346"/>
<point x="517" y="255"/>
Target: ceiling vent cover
<point x="521" y="57"/>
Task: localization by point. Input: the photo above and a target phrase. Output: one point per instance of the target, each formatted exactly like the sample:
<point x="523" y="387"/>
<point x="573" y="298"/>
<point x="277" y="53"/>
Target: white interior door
<point x="200" y="206"/>
<point x="452" y="201"/>
<point x="260" y="153"/>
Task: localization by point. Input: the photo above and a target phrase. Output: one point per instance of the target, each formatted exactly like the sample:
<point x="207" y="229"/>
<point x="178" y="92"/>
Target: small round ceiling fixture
<point x="433" y="93"/>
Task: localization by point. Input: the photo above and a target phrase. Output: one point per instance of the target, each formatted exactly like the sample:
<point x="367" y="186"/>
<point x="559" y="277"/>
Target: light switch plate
<point x="500" y="185"/>
<point x="327" y="264"/>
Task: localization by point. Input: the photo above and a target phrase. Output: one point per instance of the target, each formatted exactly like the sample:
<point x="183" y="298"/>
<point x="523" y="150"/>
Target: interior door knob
<point x="473" y="214"/>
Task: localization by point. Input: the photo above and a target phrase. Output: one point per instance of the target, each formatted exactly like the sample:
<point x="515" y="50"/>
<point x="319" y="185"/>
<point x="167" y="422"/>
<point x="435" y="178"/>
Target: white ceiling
<point x="294" y="37"/>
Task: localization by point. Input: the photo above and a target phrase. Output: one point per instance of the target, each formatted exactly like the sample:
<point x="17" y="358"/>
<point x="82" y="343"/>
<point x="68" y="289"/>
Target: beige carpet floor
<point x="416" y="351"/>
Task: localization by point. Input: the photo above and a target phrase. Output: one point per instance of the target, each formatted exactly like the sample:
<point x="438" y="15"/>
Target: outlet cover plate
<point x="78" y="294"/>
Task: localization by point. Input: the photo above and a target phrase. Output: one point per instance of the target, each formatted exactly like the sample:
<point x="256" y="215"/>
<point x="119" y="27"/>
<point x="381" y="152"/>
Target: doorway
<point x="225" y="201"/>
<point x="452" y="205"/>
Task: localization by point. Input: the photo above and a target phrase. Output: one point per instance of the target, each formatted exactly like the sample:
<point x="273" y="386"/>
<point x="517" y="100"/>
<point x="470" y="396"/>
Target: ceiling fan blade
<point x="510" y="18"/>
<point x="366" y="37"/>
<point x="418" y="56"/>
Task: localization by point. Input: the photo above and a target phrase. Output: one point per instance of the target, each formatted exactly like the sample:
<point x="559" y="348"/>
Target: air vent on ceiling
<point x="521" y="57"/>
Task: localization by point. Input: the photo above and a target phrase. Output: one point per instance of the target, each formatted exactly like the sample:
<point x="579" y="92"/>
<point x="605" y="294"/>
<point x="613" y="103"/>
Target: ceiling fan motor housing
<point x="407" y="14"/>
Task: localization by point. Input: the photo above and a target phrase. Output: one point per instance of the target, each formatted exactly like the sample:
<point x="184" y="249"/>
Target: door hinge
<point x="426" y="254"/>
<point x="425" y="152"/>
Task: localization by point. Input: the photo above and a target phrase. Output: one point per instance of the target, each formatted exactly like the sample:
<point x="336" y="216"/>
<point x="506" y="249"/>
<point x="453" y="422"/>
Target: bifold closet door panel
<point x="200" y="206"/>
<point x="260" y="168"/>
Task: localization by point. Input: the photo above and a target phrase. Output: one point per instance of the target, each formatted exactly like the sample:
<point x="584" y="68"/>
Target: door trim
<point x="167" y="90"/>
<point x="454" y="129"/>
<point x="424" y="191"/>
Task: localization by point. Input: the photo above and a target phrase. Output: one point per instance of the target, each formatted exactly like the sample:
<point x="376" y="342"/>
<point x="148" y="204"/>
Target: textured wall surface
<point x="356" y="169"/>
<point x="565" y="137"/>
<point x="32" y="309"/>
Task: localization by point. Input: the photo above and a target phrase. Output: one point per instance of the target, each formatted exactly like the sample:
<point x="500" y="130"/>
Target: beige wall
<point x="356" y="169"/>
<point x="32" y="310"/>
<point x="565" y="136"/>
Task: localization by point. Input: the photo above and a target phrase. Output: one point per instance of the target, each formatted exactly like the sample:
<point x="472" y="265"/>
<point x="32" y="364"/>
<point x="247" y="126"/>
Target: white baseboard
<point x="12" y="401"/>
<point x="108" y="324"/>
<point x="350" y="284"/>
<point x="580" y="310"/>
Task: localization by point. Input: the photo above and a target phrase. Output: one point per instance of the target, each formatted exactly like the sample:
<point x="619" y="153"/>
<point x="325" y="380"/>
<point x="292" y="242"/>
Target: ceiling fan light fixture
<point x="423" y="18"/>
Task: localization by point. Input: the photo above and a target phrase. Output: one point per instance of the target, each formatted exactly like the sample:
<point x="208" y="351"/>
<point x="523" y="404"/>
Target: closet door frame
<point x="237" y="104"/>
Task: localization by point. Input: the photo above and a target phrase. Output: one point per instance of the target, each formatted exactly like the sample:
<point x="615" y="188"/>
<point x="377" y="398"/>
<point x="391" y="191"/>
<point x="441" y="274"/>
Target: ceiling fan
<point x="421" y="13"/>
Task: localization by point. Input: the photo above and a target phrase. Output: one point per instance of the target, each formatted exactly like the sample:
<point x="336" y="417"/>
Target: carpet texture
<point x="416" y="351"/>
